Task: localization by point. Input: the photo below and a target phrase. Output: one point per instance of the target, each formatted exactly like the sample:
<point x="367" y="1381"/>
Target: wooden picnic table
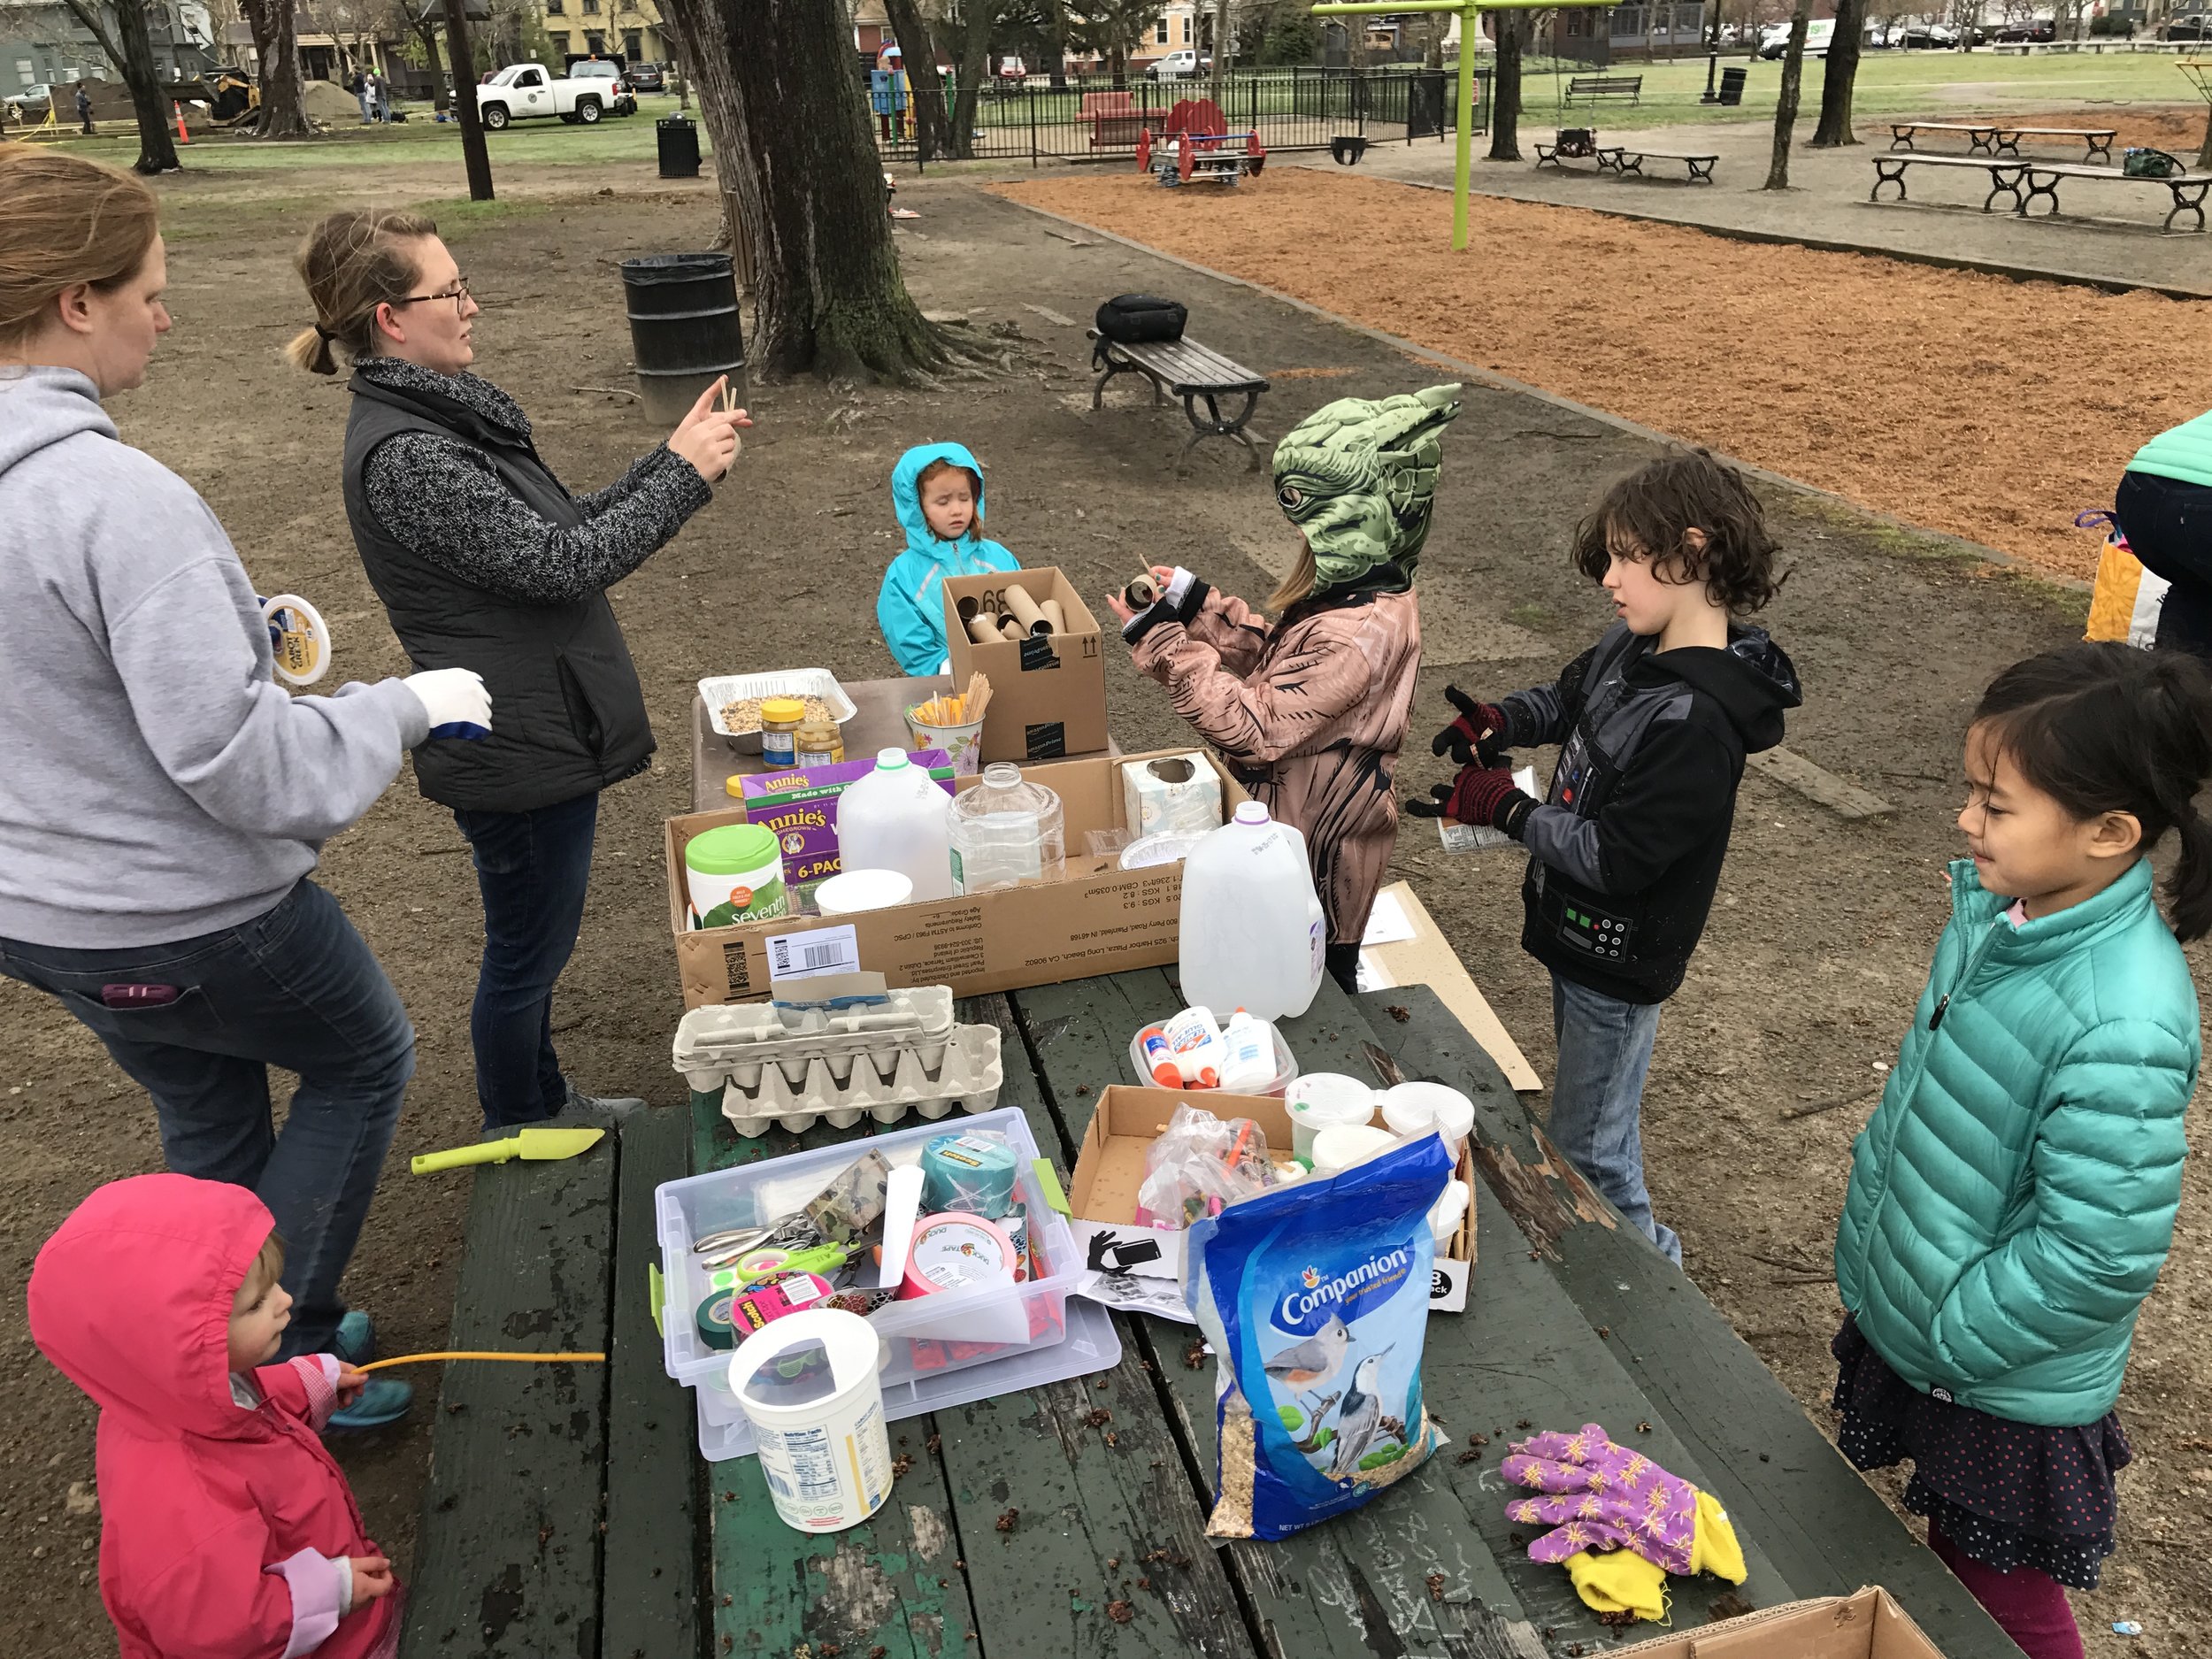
<point x="1994" y="138"/>
<point x="569" y="1512"/>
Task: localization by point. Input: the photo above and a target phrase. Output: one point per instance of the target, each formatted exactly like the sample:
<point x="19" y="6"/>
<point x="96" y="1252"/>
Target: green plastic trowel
<point x="537" y="1145"/>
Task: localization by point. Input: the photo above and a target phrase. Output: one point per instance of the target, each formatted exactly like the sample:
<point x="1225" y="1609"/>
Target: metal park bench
<point x="1621" y="159"/>
<point x="2005" y="177"/>
<point x="1990" y="138"/>
<point x="1629" y="87"/>
<point x="1185" y="369"/>
<point x="2023" y="181"/>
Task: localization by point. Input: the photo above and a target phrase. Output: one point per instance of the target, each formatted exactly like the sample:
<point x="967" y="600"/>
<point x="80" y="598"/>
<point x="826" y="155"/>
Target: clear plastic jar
<point x="1005" y="831"/>
<point x="819" y="743"/>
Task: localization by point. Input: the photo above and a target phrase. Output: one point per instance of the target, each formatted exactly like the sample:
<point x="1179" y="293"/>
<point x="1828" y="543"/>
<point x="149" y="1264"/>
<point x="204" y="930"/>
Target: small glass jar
<point x="820" y="743"/>
<point x="780" y="718"/>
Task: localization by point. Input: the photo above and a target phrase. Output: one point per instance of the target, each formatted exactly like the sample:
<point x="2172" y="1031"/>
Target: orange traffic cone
<point x="177" y="110"/>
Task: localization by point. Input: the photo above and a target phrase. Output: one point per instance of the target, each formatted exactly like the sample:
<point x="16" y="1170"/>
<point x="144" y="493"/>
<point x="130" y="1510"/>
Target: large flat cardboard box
<point x="1097" y="918"/>
<point x="1428" y="958"/>
<point x="1048" y="692"/>
<point x="1866" y="1624"/>
<point x="1103" y="1189"/>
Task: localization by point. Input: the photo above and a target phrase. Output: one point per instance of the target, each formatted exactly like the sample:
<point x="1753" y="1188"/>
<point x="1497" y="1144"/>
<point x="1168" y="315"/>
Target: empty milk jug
<point x="1253" y="934"/>
<point x="897" y="817"/>
<point x="1005" y="831"/>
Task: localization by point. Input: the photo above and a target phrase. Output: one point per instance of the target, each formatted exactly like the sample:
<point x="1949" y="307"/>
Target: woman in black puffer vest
<point x="479" y="553"/>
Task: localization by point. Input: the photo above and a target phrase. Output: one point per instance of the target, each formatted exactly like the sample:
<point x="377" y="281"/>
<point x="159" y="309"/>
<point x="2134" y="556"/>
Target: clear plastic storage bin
<point x="929" y="1340"/>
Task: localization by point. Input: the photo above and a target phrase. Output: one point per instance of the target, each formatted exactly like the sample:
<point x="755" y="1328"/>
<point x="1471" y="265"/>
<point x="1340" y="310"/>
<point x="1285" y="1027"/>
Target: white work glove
<point x="455" y="700"/>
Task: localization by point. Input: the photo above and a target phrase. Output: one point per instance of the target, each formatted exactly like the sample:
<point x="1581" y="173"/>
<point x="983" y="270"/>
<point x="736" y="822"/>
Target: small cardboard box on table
<point x="1866" y="1624"/>
<point x="1047" y="691"/>
<point x="1103" y="1189"/>
<point x="1097" y="918"/>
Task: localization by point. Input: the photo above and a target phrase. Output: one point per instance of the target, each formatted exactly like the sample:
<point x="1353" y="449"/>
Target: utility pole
<point x="463" y="59"/>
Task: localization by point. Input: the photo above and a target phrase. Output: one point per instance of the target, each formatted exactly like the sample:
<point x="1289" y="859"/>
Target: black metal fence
<point x="1092" y="119"/>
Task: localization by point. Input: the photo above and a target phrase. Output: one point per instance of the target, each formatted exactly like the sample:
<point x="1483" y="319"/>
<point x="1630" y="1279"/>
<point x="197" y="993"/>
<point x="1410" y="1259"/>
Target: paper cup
<point x="962" y="744"/>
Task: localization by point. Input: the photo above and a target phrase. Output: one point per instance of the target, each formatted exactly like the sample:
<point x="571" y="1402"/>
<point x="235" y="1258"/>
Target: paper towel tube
<point x="982" y="629"/>
<point x="1055" y="614"/>
<point x="1142" y="593"/>
<point x="1012" y="630"/>
<point x="1024" y="610"/>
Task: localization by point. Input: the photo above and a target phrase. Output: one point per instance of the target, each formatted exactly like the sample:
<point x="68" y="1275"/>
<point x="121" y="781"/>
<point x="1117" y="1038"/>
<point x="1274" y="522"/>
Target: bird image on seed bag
<point x="1315" y="1298"/>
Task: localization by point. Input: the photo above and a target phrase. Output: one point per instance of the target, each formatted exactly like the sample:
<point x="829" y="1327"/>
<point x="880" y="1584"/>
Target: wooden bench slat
<point x="1188" y="366"/>
<point x="510" y="1543"/>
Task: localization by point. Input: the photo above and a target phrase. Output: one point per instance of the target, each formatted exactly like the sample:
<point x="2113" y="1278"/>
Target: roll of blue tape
<point x="974" y="1173"/>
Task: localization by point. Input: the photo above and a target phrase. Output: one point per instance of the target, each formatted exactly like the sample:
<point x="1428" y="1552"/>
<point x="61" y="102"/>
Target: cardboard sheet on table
<point x="1427" y="958"/>
<point x="1866" y="1624"/>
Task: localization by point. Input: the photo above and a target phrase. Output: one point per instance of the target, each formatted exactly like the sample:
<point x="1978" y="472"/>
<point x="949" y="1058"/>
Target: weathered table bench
<point x="1624" y="159"/>
<point x="2006" y="178"/>
<point x="1594" y="87"/>
<point x="568" y="1513"/>
<point x="2186" y="189"/>
<point x="1995" y="138"/>
<point x="1558" y="155"/>
<point x="1193" y="373"/>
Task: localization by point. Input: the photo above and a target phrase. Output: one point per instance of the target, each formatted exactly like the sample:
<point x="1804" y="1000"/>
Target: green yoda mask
<point x="1359" y="477"/>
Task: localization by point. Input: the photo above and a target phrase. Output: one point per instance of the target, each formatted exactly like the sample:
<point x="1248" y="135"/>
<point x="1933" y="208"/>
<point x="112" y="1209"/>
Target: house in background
<point x="580" y="28"/>
<point x="42" y="42"/>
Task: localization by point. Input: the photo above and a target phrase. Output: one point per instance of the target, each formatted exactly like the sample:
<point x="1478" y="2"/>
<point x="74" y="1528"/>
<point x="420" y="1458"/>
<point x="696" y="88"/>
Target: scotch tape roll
<point x="1024" y="610"/>
<point x="1055" y="615"/>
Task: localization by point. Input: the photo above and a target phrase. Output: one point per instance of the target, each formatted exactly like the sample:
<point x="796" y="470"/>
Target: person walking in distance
<point x="84" y="113"/>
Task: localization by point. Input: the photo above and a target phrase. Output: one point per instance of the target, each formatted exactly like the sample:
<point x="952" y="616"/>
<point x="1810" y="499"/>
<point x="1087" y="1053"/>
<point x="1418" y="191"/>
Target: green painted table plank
<point x="1826" y="1532"/>
<point x="510" y="1538"/>
<point x="652" y="1593"/>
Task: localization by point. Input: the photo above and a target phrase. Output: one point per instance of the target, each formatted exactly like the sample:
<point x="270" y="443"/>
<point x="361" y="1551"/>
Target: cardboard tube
<point x="1024" y="610"/>
<point x="1012" y="630"/>
<point x="968" y="608"/>
<point x="1055" y="614"/>
<point x="1142" y="594"/>
<point x="980" y="629"/>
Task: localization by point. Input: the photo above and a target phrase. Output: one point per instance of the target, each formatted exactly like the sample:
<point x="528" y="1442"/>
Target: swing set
<point x="1469" y="14"/>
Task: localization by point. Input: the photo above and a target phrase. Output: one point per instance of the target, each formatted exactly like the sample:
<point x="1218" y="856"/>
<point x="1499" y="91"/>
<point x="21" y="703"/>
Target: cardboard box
<point x="1102" y="1188"/>
<point x="1096" y="919"/>
<point x="1428" y="958"/>
<point x="800" y="807"/>
<point x="1048" y="692"/>
<point x="1866" y="1624"/>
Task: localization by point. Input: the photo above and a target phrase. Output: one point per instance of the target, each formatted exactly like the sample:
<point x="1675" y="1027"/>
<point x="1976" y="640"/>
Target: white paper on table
<point x="1372" y="975"/>
<point x="1386" y="923"/>
<point x="809" y="955"/>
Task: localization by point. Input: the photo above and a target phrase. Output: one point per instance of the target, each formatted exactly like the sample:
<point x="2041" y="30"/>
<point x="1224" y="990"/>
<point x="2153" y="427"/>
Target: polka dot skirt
<point x="2009" y="1494"/>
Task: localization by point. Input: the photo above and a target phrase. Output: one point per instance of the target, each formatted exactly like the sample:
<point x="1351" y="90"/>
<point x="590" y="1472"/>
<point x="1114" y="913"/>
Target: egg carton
<point x="719" y="1042"/>
<point x="886" y="1086"/>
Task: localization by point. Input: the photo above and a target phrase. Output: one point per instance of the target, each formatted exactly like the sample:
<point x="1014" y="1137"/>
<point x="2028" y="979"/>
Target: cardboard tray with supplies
<point x="1102" y="1190"/>
<point x="1097" y="918"/>
<point x="1048" y="690"/>
<point x="1866" y="1624"/>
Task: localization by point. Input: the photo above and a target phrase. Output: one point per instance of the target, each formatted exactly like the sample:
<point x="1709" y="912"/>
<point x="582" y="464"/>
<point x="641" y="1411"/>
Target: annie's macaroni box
<point x="800" y="808"/>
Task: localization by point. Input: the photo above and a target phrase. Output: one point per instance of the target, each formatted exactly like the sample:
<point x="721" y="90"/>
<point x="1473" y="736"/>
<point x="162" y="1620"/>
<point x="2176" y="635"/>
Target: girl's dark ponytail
<point x="2110" y="728"/>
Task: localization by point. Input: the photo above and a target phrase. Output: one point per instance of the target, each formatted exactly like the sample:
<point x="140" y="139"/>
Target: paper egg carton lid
<point x="715" y="1038"/>
<point x="969" y="1072"/>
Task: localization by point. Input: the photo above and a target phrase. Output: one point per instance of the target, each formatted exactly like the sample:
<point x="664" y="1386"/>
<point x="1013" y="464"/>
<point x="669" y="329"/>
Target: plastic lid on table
<point x="731" y="849"/>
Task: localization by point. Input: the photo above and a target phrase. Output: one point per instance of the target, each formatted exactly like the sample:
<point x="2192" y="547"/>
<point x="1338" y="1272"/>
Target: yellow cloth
<point x="2125" y="602"/>
<point x="1620" y="1581"/>
<point x="1715" y="1549"/>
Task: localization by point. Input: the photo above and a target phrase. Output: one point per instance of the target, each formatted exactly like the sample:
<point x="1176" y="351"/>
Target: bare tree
<point x="131" y="49"/>
<point x="276" y="50"/>
<point x="977" y="19"/>
<point x="1837" y="78"/>
<point x="1113" y="29"/>
<point x="1785" y="104"/>
<point x="1224" y="40"/>
<point x="1513" y="30"/>
<point x="932" y="128"/>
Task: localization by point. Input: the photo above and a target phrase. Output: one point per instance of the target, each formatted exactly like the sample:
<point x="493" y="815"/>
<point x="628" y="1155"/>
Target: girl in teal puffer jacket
<point x="2013" y="1195"/>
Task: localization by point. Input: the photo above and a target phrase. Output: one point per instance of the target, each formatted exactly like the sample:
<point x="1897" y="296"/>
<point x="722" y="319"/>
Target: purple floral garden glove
<point x="1606" y="1497"/>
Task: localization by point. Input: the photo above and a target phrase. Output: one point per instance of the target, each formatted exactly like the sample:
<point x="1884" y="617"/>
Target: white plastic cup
<point x="858" y="890"/>
<point x="1445" y="1213"/>
<point x="1341" y="1146"/>
<point x="1320" y="1100"/>
<point x="810" y="1386"/>
<point x="1417" y="1109"/>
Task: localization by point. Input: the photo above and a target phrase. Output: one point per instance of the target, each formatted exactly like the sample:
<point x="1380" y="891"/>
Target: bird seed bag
<point x="1315" y="1298"/>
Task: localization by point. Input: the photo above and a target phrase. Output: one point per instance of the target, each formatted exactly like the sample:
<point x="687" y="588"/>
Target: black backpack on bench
<point x="1133" y="319"/>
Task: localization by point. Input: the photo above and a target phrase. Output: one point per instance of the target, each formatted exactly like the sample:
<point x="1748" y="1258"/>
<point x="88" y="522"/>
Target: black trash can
<point x="684" y="327"/>
<point x="1426" y="103"/>
<point x="1732" y="85"/>
<point x="679" y="148"/>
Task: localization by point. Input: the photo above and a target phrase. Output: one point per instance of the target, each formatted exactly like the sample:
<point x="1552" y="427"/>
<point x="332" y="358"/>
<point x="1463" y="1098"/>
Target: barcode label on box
<point x="805" y="956"/>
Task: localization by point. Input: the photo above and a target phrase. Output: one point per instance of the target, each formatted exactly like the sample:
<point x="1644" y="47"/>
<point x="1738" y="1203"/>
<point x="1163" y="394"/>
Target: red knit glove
<point x="1485" y="796"/>
<point x="1477" y="737"/>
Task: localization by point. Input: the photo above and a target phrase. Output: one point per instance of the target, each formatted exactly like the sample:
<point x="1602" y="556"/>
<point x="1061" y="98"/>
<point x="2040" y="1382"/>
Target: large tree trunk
<point x="283" y="104"/>
<point x="131" y="49"/>
<point x="1221" y="53"/>
<point x="2204" y="150"/>
<point x="1505" y="96"/>
<point x="828" y="296"/>
<point x="1836" y="82"/>
<point x="975" y="62"/>
<point x="924" y="95"/>
<point x="706" y="57"/>
<point x="1786" y="104"/>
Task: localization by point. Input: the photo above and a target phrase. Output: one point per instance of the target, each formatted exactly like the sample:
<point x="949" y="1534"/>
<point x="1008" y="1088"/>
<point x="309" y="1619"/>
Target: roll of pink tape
<point x="952" y="1251"/>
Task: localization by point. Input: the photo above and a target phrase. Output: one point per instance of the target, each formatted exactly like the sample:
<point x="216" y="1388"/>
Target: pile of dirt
<point x="328" y="102"/>
<point x="1991" y="409"/>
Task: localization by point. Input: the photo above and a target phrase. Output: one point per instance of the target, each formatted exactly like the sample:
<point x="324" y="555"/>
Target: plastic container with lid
<point x="1420" y="1109"/>
<point x="819" y="743"/>
<point x="898" y="818"/>
<point x="1341" y="1146"/>
<point x="735" y="874"/>
<point x="1322" y="1100"/>
<point x="1005" y="831"/>
<point x="780" y="718"/>
<point x="1253" y="934"/>
<point x="858" y="890"/>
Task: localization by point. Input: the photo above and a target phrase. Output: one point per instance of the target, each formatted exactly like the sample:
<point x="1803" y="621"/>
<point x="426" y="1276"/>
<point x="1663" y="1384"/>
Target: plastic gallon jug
<point x="896" y="818"/>
<point x="736" y="874"/>
<point x="809" y="1384"/>
<point x="1005" y="831"/>
<point x="1252" y="931"/>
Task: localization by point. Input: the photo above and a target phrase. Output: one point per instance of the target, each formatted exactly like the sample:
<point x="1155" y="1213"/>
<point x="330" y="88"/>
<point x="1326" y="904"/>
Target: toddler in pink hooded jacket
<point x="226" y="1530"/>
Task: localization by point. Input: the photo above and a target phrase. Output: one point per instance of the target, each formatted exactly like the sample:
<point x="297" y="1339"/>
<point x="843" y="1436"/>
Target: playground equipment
<point x="1193" y="153"/>
<point x="1470" y="13"/>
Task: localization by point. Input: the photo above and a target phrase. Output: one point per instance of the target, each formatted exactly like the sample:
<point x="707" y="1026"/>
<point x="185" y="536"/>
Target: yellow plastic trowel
<point x="537" y="1145"/>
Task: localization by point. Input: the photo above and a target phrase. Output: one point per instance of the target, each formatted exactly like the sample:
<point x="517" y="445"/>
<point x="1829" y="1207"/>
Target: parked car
<point x="1776" y="41"/>
<point x="2194" y="25"/>
<point x="521" y="91"/>
<point x="646" y="78"/>
<point x="1175" y="66"/>
<point x="2029" y="29"/>
<point x="620" y="99"/>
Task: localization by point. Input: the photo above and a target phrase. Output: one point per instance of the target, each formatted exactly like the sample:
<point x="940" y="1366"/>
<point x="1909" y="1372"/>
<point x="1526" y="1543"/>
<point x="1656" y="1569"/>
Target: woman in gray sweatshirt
<point x="163" y="801"/>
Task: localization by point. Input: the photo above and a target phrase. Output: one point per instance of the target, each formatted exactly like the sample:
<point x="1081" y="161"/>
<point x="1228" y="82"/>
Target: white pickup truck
<point x="522" y="90"/>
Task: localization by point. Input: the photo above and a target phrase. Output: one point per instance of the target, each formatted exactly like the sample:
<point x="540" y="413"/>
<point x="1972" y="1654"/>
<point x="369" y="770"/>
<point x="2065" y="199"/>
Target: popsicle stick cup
<point x="963" y="743"/>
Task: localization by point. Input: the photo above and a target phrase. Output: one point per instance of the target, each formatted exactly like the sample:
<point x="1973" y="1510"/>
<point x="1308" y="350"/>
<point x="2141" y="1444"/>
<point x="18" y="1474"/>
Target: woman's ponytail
<point x="311" y="350"/>
<point x="352" y="262"/>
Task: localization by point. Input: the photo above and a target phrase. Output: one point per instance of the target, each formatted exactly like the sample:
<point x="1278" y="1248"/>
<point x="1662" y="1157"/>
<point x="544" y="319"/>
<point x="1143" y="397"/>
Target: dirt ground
<point x="1991" y="409"/>
<point x="1804" y="985"/>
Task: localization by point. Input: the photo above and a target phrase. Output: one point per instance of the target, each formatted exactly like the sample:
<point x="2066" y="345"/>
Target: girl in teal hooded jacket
<point x="944" y="537"/>
<point x="2013" y="1196"/>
